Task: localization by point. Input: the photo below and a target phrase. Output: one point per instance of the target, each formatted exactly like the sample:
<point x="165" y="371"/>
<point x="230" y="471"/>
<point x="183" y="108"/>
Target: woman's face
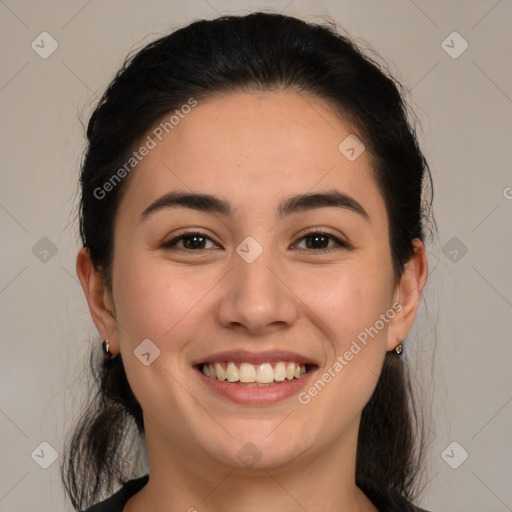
<point x="253" y="288"/>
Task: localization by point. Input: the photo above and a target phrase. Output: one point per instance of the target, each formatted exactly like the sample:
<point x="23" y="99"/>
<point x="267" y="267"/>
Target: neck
<point x="181" y="481"/>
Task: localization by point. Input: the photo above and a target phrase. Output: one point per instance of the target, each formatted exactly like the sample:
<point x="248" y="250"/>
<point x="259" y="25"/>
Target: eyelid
<point x="340" y="243"/>
<point x="187" y="234"/>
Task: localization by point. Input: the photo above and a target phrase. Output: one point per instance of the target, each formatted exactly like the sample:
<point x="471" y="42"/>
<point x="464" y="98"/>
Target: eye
<point x="318" y="242"/>
<point x="193" y="241"/>
<point x="315" y="240"/>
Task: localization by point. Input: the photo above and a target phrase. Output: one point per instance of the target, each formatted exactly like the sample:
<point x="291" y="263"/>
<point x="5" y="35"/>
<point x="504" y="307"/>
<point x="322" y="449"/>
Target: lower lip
<point x="256" y="395"/>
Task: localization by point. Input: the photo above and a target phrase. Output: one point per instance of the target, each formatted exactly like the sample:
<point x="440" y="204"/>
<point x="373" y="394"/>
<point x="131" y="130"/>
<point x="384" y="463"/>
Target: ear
<point x="98" y="297"/>
<point x="408" y="293"/>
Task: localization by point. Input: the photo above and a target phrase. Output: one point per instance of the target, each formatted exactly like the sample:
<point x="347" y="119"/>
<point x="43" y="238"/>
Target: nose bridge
<point x="256" y="297"/>
<point x="252" y="270"/>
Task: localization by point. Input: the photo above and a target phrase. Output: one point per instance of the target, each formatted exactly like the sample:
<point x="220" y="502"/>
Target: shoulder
<point x="388" y="500"/>
<point x="117" y="501"/>
<point x="395" y="503"/>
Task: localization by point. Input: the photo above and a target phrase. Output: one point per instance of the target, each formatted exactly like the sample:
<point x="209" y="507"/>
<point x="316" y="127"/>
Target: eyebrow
<point x="211" y="204"/>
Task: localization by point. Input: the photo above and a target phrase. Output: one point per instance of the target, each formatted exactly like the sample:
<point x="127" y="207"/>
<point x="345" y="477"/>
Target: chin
<point x="258" y="451"/>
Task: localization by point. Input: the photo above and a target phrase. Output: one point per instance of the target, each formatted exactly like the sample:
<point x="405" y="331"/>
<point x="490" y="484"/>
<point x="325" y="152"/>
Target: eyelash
<point x="340" y="244"/>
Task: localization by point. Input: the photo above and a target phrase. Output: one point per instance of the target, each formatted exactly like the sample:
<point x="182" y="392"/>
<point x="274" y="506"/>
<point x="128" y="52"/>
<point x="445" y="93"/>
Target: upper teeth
<point x="246" y="372"/>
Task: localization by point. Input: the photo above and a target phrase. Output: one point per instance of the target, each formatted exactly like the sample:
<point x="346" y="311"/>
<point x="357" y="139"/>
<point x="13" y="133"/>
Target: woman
<point x="253" y="258"/>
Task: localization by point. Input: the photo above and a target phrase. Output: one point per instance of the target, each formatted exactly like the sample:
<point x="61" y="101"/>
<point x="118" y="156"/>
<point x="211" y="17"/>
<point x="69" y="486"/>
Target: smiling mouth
<point x="259" y="375"/>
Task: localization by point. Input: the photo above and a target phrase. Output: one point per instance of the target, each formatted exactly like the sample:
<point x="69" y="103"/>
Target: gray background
<point x="462" y="336"/>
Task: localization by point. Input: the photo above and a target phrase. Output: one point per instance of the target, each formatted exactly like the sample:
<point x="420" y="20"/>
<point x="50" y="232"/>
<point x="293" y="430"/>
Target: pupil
<point x="194" y="245"/>
<point x="316" y="238"/>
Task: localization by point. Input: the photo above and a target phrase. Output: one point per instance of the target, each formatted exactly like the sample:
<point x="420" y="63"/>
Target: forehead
<point x="260" y="146"/>
<point x="284" y="128"/>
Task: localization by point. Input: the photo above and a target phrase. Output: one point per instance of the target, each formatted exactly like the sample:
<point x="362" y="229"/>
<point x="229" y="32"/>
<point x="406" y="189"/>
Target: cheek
<point x="163" y="305"/>
<point x="350" y="300"/>
<point x="350" y="312"/>
<point x="351" y="304"/>
<point x="153" y="300"/>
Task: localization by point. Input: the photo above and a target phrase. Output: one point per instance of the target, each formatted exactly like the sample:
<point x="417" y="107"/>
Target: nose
<point x="256" y="297"/>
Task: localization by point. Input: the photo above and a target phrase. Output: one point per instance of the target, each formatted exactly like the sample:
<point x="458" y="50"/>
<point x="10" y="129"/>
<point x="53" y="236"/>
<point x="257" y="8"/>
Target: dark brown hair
<point x="257" y="52"/>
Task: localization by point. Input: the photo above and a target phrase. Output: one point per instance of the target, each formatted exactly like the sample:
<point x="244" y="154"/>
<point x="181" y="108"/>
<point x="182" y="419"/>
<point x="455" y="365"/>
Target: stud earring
<point x="399" y="348"/>
<point x="106" y="350"/>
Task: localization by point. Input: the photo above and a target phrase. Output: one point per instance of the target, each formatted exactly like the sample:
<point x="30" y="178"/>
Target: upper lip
<point x="245" y="356"/>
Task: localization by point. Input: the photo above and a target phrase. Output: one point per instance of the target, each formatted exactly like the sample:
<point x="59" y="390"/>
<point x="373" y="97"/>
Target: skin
<point x="253" y="149"/>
